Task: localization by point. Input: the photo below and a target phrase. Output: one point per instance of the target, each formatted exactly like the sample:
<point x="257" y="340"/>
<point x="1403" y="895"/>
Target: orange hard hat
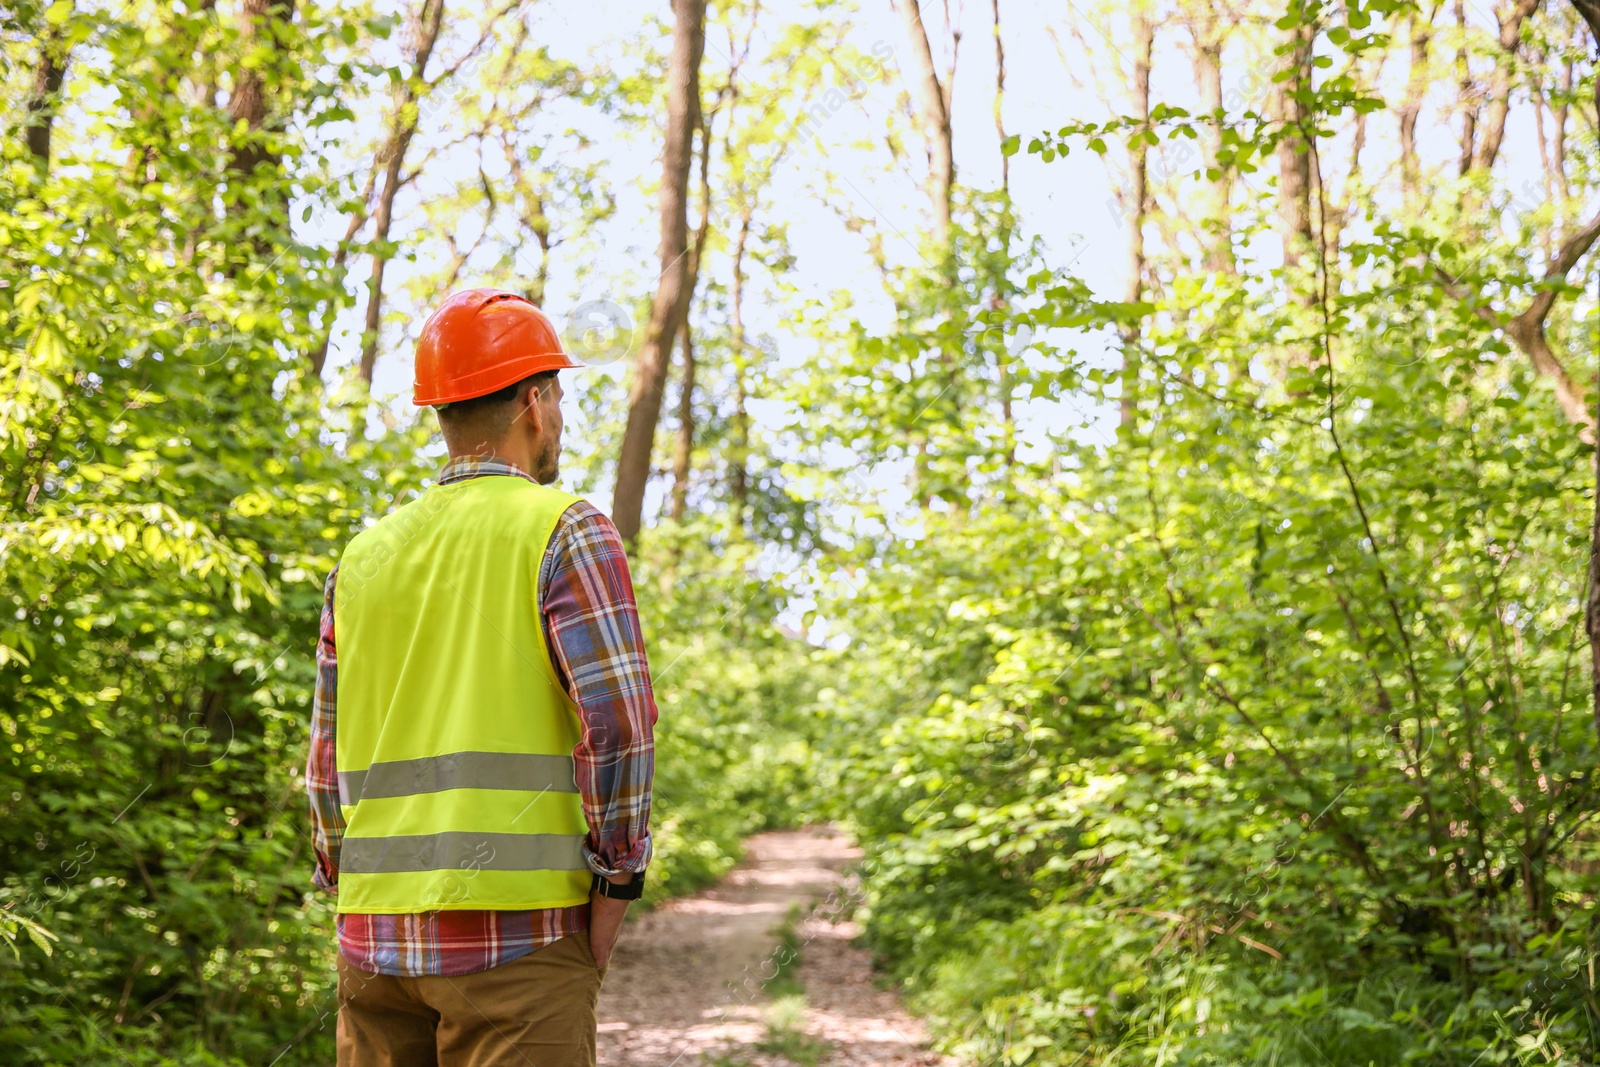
<point x="482" y="340"/>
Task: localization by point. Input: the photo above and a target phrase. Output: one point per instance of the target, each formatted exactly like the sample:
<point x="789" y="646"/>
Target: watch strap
<point x="629" y="890"/>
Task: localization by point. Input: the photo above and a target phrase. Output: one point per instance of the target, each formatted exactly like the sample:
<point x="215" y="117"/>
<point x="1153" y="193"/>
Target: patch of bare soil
<point x="689" y="982"/>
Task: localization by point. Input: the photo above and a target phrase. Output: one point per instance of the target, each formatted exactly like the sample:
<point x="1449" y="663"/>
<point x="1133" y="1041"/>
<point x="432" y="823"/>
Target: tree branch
<point x="1567" y="258"/>
<point x="1526" y="329"/>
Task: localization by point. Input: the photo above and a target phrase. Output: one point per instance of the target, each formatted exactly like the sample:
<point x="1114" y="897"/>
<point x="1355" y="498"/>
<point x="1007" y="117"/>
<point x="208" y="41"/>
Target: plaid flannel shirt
<point x="591" y="624"/>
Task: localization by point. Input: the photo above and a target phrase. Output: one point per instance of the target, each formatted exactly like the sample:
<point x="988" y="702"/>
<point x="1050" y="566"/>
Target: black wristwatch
<point x="631" y="890"/>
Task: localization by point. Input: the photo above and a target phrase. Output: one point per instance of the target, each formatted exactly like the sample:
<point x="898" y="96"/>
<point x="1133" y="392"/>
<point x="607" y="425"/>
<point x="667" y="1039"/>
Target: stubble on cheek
<point x="549" y="463"/>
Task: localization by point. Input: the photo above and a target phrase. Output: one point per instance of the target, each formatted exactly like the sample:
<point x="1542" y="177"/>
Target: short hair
<point x="482" y="411"/>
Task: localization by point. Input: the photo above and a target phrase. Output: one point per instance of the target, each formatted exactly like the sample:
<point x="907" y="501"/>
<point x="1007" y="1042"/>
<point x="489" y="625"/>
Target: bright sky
<point x="1066" y="202"/>
<point x="1069" y="203"/>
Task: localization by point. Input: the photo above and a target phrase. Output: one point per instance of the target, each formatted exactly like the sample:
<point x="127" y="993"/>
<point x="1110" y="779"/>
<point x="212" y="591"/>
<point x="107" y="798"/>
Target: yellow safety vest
<point x="454" y="738"/>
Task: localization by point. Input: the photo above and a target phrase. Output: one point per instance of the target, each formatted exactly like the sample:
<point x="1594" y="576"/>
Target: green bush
<point x="1242" y="743"/>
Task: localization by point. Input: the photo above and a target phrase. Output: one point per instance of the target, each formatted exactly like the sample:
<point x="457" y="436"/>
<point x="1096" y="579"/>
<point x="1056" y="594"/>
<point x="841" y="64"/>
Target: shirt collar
<point x="461" y="468"/>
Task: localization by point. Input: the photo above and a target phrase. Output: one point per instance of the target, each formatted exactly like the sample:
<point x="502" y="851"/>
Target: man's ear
<point x="528" y="405"/>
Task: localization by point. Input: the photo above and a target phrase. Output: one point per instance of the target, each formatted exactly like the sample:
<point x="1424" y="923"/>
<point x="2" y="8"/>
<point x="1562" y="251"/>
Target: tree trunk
<point x="1558" y="136"/>
<point x="372" y="321"/>
<point x="934" y="115"/>
<point x="533" y="217"/>
<point x="1465" y="91"/>
<point x="1591" y="615"/>
<point x="1494" y="119"/>
<point x="341" y="255"/>
<point x="251" y="155"/>
<point x="1138" y="208"/>
<point x="1294" y="153"/>
<point x="684" y="445"/>
<point x="740" y="460"/>
<point x="1590" y="10"/>
<point x="248" y="101"/>
<point x="1592" y="608"/>
<point x="1218" y="255"/>
<point x="541" y="277"/>
<point x="673" y="289"/>
<point x="400" y="135"/>
<point x="538" y="224"/>
<point x="933" y="99"/>
<point x="150" y="131"/>
<point x="49" y="76"/>
<point x="1411" y="107"/>
<point x="1337" y="208"/>
<point x="999" y="100"/>
<point x="1542" y="135"/>
<point x="683" y="448"/>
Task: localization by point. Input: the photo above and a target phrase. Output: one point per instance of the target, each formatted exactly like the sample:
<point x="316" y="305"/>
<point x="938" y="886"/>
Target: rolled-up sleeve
<point x="591" y="623"/>
<point x="322" y="777"/>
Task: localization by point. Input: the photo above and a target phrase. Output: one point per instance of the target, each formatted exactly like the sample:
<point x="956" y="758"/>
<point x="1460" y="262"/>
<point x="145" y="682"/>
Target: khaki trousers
<point x="536" y="1011"/>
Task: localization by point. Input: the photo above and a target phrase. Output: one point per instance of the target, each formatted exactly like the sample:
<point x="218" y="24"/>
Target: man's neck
<point x="498" y="451"/>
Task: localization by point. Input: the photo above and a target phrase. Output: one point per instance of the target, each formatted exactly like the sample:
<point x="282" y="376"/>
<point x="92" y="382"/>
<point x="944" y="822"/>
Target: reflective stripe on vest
<point x="458" y="770"/>
<point x="454" y="737"/>
<point x="462" y="852"/>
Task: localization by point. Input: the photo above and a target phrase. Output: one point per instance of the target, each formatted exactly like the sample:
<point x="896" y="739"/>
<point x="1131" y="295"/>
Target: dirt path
<point x="688" y="986"/>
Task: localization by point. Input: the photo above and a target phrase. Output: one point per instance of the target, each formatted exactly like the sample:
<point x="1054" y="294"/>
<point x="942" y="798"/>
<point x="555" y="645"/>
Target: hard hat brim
<point x="492" y="379"/>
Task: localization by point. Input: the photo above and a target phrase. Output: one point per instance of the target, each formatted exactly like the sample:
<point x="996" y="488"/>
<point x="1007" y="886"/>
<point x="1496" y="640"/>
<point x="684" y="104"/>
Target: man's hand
<point x="605" y="921"/>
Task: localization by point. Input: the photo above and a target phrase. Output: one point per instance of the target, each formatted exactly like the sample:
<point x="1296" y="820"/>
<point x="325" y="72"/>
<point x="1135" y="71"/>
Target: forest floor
<point x="758" y="971"/>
